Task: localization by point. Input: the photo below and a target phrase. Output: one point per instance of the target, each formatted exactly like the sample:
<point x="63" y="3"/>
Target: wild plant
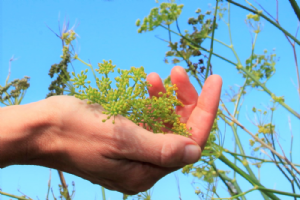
<point x="126" y="95"/>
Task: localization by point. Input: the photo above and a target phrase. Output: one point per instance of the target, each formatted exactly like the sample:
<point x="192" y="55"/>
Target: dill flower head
<point x="129" y="97"/>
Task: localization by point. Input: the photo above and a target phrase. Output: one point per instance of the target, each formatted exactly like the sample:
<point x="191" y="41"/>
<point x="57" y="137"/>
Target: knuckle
<point x="168" y="154"/>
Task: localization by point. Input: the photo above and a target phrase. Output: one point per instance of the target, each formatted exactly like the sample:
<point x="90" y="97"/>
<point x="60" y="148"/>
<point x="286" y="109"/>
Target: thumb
<point x="165" y="150"/>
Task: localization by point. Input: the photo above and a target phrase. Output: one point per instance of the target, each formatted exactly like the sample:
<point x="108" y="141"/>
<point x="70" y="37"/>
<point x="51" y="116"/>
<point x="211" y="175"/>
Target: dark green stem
<point x="268" y="91"/>
<point x="296" y="8"/>
<point x="241" y="68"/>
<point x="266" y="18"/>
<point x="226" y="179"/>
<point x="264" y="189"/>
<point x="254" y="182"/>
<point x="281" y="161"/>
<point x="279" y="192"/>
<point x="245" y="162"/>
<point x="212" y="40"/>
<point x="238" y="142"/>
<point x="255" y="158"/>
<point x="196" y="46"/>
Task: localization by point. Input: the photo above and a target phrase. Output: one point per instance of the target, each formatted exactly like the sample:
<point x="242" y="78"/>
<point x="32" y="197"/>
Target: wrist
<point x="23" y="135"/>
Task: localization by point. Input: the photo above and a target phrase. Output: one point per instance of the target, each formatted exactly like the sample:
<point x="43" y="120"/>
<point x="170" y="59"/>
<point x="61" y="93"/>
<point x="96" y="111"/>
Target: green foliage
<point x="261" y="66"/>
<point x="266" y="130"/>
<point x="184" y="50"/>
<point x="11" y="96"/>
<point x="57" y="86"/>
<point x="166" y="14"/>
<point x="258" y="69"/>
<point x="64" y="193"/>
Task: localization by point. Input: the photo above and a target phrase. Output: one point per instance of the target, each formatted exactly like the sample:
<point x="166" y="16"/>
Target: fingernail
<point x="191" y="154"/>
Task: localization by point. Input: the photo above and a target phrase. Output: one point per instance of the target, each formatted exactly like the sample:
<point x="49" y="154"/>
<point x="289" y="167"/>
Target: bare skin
<point x="66" y="133"/>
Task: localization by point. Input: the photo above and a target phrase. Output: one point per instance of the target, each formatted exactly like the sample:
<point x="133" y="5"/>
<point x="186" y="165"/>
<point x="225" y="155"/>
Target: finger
<point x="157" y="85"/>
<point x="166" y="150"/>
<point x="202" y="117"/>
<point x="186" y="93"/>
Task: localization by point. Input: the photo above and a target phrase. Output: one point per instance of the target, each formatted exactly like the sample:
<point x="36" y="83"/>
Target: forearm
<point x="22" y="129"/>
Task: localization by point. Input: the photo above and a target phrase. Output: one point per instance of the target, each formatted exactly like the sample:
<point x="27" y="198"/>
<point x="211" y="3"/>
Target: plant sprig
<point x="129" y="98"/>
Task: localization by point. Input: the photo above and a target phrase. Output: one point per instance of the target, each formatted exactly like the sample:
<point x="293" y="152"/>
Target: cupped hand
<point x="198" y="112"/>
<point x="124" y="156"/>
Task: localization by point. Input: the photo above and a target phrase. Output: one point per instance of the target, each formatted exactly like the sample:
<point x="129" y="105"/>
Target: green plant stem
<point x="225" y="178"/>
<point x="238" y="142"/>
<point x="245" y="83"/>
<point x="9" y="101"/>
<point x="103" y="193"/>
<point x="233" y="126"/>
<point x="274" y="151"/>
<point x="234" y="120"/>
<point x="180" y="54"/>
<point x="237" y="139"/>
<point x="5" y="103"/>
<point x="212" y="40"/>
<point x="241" y="68"/>
<point x="245" y="162"/>
<point x="255" y="158"/>
<point x="284" y="164"/>
<point x="242" y="89"/>
<point x="197" y="47"/>
<point x="279" y="192"/>
<point x="89" y="65"/>
<point x="249" y="74"/>
<point x="263" y="86"/>
<point x="266" y="18"/>
<point x="254" y="182"/>
<point x="239" y="195"/>
<point x="14" y="196"/>
<point x="226" y="45"/>
<point x="296" y="8"/>
<point x="230" y="36"/>
<point x="283" y="172"/>
<point x="64" y="184"/>
<point x="263" y="189"/>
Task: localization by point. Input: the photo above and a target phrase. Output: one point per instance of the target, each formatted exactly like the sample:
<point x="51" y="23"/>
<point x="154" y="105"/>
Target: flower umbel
<point x="129" y="98"/>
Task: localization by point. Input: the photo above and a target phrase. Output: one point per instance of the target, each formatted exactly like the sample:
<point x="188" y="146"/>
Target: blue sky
<point x="107" y="31"/>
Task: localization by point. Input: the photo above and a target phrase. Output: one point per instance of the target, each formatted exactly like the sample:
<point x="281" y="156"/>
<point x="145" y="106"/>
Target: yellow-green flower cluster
<point x="255" y="17"/>
<point x="266" y="128"/>
<point x="129" y="98"/>
<point x="68" y="37"/>
<point x="261" y="66"/>
<point x="265" y="131"/>
<point x="167" y="13"/>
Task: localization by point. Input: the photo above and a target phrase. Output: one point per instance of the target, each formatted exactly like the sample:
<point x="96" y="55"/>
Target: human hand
<point x="198" y="112"/>
<point x="124" y="156"/>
